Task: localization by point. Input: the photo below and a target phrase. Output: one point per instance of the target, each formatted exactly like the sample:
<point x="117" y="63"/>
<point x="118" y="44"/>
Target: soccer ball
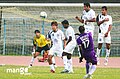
<point x="43" y="14"/>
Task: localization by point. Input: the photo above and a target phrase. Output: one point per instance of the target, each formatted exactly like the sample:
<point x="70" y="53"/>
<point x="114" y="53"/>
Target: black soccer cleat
<point x="65" y="71"/>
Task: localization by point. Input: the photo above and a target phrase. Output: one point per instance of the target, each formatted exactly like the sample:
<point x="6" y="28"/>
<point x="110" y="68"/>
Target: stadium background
<point x="19" y="22"/>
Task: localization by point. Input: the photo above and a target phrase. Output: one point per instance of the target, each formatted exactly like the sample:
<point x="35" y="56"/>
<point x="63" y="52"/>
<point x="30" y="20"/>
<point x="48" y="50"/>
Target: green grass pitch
<point x="40" y="72"/>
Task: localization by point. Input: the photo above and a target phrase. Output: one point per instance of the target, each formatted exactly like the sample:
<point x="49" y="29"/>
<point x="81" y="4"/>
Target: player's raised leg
<point x="45" y="57"/>
<point x="90" y="69"/>
<point x="52" y="68"/>
<point x="53" y="61"/>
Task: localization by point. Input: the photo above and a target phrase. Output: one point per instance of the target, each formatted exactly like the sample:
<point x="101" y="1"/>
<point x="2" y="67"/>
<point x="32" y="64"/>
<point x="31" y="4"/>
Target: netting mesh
<point x="18" y="25"/>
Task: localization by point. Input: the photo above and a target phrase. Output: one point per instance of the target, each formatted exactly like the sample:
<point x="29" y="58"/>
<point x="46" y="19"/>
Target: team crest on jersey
<point x="57" y="35"/>
<point x="52" y="34"/>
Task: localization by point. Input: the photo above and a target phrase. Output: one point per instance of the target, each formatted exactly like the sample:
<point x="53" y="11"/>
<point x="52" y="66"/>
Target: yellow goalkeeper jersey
<point x="41" y="41"/>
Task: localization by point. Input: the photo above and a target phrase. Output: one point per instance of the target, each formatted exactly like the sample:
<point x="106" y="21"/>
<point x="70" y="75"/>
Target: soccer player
<point x="57" y="38"/>
<point x="68" y="47"/>
<point x="45" y="55"/>
<point x="40" y="43"/>
<point x="87" y="18"/>
<point x="86" y="47"/>
<point x="104" y="21"/>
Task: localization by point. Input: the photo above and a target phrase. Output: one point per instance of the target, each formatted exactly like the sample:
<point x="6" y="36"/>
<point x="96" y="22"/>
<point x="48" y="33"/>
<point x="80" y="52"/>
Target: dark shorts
<point x="90" y="57"/>
<point x="39" y="49"/>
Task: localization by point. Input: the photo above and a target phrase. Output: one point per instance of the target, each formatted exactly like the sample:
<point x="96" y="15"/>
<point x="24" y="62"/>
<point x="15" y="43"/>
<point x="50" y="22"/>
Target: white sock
<point x="53" y="60"/>
<point x="98" y="53"/>
<point x="92" y="69"/>
<point x="70" y="68"/>
<point x="32" y="60"/>
<point x="65" y="62"/>
<point x="107" y="53"/>
<point x="52" y="67"/>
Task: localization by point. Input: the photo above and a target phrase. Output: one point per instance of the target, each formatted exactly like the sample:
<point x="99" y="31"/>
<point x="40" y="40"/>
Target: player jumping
<point x="87" y="18"/>
<point x="40" y="43"/>
<point x="104" y="22"/>
<point x="68" y="47"/>
<point x="57" y="38"/>
<point x="86" y="48"/>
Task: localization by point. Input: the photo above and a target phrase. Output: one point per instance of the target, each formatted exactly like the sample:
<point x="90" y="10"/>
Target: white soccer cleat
<point x="30" y="66"/>
<point x="88" y="76"/>
<point x="106" y="62"/>
<point x="71" y="72"/>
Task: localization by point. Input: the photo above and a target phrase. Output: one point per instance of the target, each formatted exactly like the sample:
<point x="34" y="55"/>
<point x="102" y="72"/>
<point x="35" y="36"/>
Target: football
<point x="43" y="14"/>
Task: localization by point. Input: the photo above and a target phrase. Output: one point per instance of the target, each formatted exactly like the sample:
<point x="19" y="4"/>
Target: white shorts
<point x="102" y="39"/>
<point x="70" y="47"/>
<point x="55" y="52"/>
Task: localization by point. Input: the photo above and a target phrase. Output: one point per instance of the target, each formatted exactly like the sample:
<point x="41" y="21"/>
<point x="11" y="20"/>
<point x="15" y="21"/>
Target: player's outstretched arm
<point x="80" y="20"/>
<point x="64" y="42"/>
<point x="81" y="58"/>
<point x="100" y="22"/>
<point x="92" y="20"/>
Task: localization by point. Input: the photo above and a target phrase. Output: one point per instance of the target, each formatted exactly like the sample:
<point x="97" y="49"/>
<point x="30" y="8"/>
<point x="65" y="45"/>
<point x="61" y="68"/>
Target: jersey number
<point x="85" y="43"/>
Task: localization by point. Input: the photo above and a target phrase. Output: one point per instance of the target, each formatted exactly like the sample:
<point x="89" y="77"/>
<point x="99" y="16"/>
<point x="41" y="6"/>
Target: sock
<point x="53" y="60"/>
<point x="65" y="62"/>
<point x="107" y="53"/>
<point x="32" y="60"/>
<point x="87" y="67"/>
<point x="70" y="68"/>
<point x="52" y="67"/>
<point x="98" y="53"/>
<point x="92" y="69"/>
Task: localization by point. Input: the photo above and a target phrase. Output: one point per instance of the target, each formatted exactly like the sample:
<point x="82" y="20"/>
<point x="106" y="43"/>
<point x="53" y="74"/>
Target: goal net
<point x="18" y="22"/>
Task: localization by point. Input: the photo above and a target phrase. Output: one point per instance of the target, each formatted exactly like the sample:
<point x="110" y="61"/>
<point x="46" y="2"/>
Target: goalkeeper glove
<point x="33" y="51"/>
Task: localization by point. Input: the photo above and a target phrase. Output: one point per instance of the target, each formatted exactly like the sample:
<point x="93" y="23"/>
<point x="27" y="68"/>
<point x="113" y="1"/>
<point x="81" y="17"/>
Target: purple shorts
<point x="90" y="57"/>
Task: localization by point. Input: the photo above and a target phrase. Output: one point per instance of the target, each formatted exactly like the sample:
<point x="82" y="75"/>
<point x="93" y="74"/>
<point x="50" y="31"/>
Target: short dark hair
<point x="104" y="7"/>
<point x="87" y="4"/>
<point x="81" y="29"/>
<point x="65" y="22"/>
<point x="55" y="23"/>
<point x="37" y="31"/>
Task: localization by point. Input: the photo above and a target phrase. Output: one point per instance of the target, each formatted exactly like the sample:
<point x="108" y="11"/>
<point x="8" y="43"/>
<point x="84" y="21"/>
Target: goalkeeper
<point x="40" y="43"/>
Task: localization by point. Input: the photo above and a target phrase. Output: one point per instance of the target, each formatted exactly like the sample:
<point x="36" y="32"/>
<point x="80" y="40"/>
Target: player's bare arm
<point x="80" y="20"/>
<point x="100" y="22"/>
<point x="70" y="38"/>
<point x="92" y="20"/>
<point x="109" y="29"/>
<point x="65" y="42"/>
<point x="81" y="58"/>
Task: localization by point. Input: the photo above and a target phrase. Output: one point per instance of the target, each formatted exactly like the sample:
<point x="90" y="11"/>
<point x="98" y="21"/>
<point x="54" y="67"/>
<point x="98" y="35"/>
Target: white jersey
<point x="70" y="32"/>
<point x="72" y="44"/>
<point x="57" y="39"/>
<point x="88" y="16"/>
<point x="103" y="28"/>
